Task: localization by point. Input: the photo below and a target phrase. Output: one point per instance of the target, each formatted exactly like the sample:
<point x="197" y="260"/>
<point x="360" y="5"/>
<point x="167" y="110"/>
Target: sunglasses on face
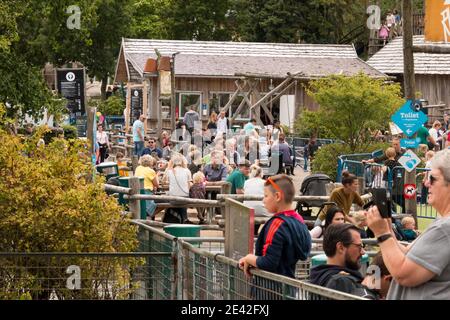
<point x="432" y="179"/>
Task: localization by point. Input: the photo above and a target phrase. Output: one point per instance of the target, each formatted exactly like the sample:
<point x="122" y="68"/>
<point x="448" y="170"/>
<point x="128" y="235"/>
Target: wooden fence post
<point x="134" y="162"/>
<point x="135" y="205"/>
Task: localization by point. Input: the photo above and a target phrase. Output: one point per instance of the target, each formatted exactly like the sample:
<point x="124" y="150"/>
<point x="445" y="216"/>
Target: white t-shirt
<point x="222" y="125"/>
<point x="434" y="133"/>
<point x="102" y="137"/>
<point x="255" y="186"/>
<point x="179" y="179"/>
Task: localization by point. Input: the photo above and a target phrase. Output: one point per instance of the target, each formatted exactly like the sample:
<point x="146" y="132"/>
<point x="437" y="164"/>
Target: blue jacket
<point x="283" y="241"/>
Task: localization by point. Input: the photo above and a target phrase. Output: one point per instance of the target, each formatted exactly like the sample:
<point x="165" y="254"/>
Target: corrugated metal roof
<point x="225" y="59"/>
<point x="389" y="59"/>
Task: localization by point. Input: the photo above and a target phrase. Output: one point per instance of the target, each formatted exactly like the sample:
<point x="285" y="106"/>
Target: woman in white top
<point x="434" y="131"/>
<point x="103" y="142"/>
<point x="334" y="215"/>
<point x="222" y="123"/>
<point x="180" y="181"/>
<point x="255" y="186"/>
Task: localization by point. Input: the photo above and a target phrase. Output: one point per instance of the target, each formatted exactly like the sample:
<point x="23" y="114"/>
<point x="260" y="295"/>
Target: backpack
<point x="171" y="215"/>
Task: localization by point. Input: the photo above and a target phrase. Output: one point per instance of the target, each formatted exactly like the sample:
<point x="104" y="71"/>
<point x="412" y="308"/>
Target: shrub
<point x="48" y="203"/>
<point x="70" y="132"/>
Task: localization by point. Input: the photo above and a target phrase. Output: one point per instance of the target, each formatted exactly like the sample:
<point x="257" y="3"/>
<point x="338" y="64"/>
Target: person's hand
<point x="376" y="223"/>
<point x="244" y="265"/>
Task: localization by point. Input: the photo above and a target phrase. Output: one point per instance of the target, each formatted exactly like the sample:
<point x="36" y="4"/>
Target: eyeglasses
<point x="275" y="186"/>
<point x="360" y="245"/>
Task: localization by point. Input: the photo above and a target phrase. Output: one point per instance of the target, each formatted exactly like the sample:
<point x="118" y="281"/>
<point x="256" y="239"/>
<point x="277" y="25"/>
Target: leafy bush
<point x="326" y="158"/>
<point x="70" y="132"/>
<point x="350" y="108"/>
<point x="48" y="203"/>
<point x="113" y="106"/>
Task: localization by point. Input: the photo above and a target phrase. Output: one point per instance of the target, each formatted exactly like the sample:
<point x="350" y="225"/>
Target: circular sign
<point x="409" y="191"/>
<point x="70" y="76"/>
<point x="136" y="93"/>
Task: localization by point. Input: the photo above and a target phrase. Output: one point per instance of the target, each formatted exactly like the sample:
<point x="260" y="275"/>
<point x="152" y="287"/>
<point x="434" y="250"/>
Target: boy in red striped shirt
<point x="285" y="238"/>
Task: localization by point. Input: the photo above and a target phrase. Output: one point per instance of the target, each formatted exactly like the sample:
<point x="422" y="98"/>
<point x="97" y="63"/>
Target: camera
<point x="381" y="200"/>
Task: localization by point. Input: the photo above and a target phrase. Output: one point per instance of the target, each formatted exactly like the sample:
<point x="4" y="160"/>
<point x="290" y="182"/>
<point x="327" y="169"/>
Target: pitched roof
<point x="226" y="59"/>
<point x="389" y="59"/>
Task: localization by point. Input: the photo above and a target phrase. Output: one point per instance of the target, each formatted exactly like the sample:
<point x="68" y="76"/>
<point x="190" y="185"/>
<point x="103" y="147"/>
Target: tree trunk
<point x="103" y="86"/>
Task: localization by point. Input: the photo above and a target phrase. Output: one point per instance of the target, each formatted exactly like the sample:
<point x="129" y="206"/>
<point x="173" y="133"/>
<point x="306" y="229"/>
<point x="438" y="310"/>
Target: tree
<point x="48" y="205"/>
<point x="199" y="20"/>
<point x="150" y="19"/>
<point x="351" y="107"/>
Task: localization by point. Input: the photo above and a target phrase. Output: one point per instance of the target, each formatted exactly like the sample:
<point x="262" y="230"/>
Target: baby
<point x="409" y="228"/>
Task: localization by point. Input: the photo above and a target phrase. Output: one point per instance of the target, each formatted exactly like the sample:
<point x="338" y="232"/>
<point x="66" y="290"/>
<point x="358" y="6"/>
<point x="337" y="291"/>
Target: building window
<point x="185" y="100"/>
<point x="218" y="100"/>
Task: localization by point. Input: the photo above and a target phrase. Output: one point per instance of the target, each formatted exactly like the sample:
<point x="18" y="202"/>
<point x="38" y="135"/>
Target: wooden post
<point x="134" y="162"/>
<point x="128" y="109"/>
<point x="145" y="104"/>
<point x="135" y="205"/>
<point x="409" y="87"/>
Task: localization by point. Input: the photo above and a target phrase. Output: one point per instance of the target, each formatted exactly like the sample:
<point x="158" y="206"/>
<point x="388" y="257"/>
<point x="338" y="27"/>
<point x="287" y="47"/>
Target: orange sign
<point x="437" y="20"/>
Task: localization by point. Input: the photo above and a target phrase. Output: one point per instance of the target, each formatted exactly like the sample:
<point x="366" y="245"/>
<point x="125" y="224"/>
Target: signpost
<point x="408" y="119"/>
<point x="409" y="160"/>
<point x="136" y="104"/>
<point x="70" y="83"/>
<point x="409" y="143"/>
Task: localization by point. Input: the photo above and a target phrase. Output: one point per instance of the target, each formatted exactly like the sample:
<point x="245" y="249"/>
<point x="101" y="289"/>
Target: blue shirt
<point x="249" y="128"/>
<point x="138" y="124"/>
<point x="149" y="151"/>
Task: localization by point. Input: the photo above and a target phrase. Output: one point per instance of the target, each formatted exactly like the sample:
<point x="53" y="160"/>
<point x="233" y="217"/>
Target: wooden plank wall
<point x="435" y="89"/>
<point x="209" y="85"/>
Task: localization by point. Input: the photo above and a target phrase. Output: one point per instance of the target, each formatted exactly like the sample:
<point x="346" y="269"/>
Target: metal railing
<point x="67" y="276"/>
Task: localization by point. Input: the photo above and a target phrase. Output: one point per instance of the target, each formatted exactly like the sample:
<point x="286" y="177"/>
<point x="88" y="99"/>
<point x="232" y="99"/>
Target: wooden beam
<point x="430" y="48"/>
<point x="258" y="109"/>
<point x="128" y="108"/>
<point x="233" y="97"/>
<point x="244" y="100"/>
<point x="274" y="90"/>
<point x="278" y="96"/>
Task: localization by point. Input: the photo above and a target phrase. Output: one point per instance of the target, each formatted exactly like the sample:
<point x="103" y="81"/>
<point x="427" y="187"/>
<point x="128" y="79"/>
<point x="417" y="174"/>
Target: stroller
<point x="313" y="185"/>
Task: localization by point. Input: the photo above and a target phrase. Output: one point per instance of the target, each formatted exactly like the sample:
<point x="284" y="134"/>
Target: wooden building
<point x="432" y="71"/>
<point x="243" y="77"/>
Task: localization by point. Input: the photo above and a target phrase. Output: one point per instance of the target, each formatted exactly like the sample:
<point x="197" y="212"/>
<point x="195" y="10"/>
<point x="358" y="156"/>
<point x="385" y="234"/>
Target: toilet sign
<point x="409" y="191"/>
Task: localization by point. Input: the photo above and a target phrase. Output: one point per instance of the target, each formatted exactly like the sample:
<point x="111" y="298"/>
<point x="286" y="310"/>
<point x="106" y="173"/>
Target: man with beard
<point x="343" y="247"/>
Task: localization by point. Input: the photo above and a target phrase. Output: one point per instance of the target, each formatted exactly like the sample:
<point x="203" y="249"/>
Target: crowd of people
<point x="414" y="271"/>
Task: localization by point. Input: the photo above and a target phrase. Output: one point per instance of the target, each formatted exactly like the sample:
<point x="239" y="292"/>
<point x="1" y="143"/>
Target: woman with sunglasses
<point x="421" y="270"/>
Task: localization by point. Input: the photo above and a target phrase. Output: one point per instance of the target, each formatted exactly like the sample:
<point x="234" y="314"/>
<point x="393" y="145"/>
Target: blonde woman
<point x="151" y="183"/>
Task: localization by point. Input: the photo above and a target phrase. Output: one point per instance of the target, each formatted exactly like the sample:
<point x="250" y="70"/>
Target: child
<point x="409" y="228"/>
<point x="284" y="239"/>
<point x="121" y="163"/>
<point x="198" y="191"/>
<point x="361" y="223"/>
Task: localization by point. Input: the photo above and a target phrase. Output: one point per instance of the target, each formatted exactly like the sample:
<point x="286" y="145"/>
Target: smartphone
<point x="381" y="200"/>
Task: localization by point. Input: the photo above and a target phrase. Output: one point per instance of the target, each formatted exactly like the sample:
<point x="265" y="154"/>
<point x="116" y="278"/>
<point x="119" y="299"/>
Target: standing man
<point x="399" y="151"/>
<point x="138" y="135"/>
<point x="446" y="122"/>
<point x="190" y="118"/>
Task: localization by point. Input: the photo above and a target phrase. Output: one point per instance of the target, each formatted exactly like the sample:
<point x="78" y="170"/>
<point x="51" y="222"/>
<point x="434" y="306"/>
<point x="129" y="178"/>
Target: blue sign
<point x="408" y="119"/>
<point x="409" y="143"/>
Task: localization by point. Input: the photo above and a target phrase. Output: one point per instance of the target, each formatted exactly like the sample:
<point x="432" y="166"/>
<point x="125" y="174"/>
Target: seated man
<point x="343" y="247"/>
<point x="151" y="147"/>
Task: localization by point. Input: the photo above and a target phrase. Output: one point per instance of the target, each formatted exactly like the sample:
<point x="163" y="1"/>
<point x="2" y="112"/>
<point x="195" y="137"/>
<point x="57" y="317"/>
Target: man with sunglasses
<point x="151" y="147"/>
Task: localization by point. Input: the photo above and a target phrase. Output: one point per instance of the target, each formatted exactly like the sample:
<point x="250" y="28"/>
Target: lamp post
<point x="173" y="99"/>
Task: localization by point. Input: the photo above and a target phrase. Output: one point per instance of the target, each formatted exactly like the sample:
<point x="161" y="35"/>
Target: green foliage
<point x="113" y="106"/>
<point x="325" y="159"/>
<point x="49" y="204"/>
<point x="351" y="108"/>
<point x="22" y="87"/>
<point x="70" y="132"/>
<point x="150" y="19"/>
